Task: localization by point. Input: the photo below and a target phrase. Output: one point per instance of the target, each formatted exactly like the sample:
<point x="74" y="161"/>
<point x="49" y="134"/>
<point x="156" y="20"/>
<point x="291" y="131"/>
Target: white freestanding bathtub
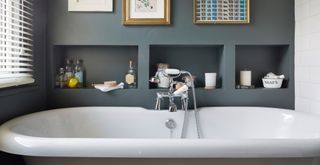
<point x="123" y="132"/>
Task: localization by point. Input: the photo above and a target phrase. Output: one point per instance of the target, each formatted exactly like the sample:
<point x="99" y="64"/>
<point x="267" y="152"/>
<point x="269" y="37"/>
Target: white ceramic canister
<point x="245" y="78"/>
<point x="210" y="80"/>
<point x="164" y="81"/>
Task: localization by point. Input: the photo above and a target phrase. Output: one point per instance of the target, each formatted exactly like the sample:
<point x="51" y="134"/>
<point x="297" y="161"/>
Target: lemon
<point x="73" y="82"/>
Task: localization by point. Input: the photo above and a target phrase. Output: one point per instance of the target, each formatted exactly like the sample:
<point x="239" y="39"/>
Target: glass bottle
<point x="130" y="78"/>
<point x="79" y="73"/>
<point x="60" y="79"/>
<point x="69" y="70"/>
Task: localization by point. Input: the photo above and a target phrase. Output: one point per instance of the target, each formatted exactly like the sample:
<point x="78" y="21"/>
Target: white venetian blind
<point x="16" y="42"/>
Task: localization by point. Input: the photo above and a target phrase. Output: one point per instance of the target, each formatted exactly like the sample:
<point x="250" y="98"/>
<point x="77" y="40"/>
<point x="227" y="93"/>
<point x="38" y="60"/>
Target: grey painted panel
<point x="105" y="28"/>
<point x="266" y="28"/>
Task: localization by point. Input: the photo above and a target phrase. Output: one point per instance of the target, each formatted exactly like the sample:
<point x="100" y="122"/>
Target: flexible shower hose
<point x="196" y="114"/>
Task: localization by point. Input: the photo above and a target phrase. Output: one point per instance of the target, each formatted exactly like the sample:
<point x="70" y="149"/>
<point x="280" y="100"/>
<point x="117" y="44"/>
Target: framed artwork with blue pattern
<point x="221" y="11"/>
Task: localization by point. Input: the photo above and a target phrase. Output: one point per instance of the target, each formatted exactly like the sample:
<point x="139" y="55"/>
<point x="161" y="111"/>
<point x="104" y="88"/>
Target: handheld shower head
<point x="172" y="72"/>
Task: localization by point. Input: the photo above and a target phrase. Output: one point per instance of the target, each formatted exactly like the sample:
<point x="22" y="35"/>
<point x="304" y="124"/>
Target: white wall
<point x="307" y="55"/>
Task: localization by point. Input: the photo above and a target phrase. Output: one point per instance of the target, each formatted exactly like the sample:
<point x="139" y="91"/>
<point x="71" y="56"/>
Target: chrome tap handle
<point x="158" y="102"/>
<point x="184" y="103"/>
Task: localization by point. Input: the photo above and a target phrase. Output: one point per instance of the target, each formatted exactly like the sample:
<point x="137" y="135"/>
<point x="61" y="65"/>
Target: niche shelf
<point x="198" y="59"/>
<point x="101" y="62"/>
<point x="262" y="59"/>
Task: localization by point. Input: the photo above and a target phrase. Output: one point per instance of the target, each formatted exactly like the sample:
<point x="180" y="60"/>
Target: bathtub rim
<point x="294" y="144"/>
<point x="172" y="145"/>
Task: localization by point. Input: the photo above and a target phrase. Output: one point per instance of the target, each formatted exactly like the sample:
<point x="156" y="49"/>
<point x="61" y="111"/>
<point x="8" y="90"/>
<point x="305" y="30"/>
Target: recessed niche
<point x="262" y="59"/>
<point x="102" y="63"/>
<point x="197" y="59"/>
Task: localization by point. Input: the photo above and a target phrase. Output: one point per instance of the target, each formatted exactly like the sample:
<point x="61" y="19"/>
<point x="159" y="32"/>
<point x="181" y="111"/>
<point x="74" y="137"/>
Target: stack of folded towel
<point x="109" y="86"/>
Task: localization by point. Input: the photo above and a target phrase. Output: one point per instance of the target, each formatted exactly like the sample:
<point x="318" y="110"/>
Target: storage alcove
<point x="197" y="59"/>
<point x="262" y="59"/>
<point x="102" y="63"/>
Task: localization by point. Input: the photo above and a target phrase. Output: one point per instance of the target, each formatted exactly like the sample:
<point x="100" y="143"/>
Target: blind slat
<point x="15" y="30"/>
<point x="15" y="47"/>
<point x="17" y="12"/>
<point x="16" y="70"/>
<point x="16" y="20"/>
<point x="15" y="25"/>
<point x="15" y="58"/>
<point x="24" y="12"/>
<point x="4" y="83"/>
<point x="18" y="42"/>
<point x="15" y="75"/>
<point x="16" y="36"/>
<point x="20" y="3"/>
<point x="7" y="64"/>
<point x="11" y="53"/>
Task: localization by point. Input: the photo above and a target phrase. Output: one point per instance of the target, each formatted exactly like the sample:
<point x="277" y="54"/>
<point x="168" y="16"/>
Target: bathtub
<point x="135" y="133"/>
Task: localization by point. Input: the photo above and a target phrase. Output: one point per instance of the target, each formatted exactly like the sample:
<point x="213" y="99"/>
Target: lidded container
<point x="164" y="81"/>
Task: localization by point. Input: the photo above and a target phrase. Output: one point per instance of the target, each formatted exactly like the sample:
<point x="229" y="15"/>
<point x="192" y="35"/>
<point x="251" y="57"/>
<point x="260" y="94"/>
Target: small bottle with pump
<point x="130" y="78"/>
<point x="79" y="73"/>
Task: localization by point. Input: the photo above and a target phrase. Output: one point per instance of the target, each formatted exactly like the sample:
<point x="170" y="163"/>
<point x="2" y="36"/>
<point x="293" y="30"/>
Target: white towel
<point x="274" y="76"/>
<point x="105" y="88"/>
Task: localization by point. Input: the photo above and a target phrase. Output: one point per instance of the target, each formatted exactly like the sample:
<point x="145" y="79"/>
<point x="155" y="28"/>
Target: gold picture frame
<point x="197" y="14"/>
<point x="127" y="19"/>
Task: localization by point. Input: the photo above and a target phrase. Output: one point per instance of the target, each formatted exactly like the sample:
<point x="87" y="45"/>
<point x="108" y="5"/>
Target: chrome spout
<point x="173" y="107"/>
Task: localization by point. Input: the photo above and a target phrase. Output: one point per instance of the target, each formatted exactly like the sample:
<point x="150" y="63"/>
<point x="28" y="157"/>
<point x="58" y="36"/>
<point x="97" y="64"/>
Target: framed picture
<point x="90" y="5"/>
<point x="146" y="12"/>
<point x="221" y="11"/>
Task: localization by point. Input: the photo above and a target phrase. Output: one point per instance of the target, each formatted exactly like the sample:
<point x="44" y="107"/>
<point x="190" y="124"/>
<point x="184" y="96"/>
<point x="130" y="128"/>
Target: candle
<point x="245" y="78"/>
<point x="211" y="80"/>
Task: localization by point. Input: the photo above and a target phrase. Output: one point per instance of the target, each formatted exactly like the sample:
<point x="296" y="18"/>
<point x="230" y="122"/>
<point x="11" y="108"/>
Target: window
<point x="16" y="42"/>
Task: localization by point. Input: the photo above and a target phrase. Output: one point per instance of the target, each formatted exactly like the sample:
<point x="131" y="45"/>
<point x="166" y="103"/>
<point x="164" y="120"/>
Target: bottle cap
<point x="69" y="61"/>
<point x="79" y="61"/>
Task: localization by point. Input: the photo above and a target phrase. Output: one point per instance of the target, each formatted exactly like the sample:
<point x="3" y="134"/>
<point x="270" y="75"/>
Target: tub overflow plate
<point x="171" y="124"/>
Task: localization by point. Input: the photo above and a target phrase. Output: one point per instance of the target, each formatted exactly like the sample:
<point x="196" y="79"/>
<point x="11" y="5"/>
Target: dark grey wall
<point x="23" y="100"/>
<point x="272" y="24"/>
